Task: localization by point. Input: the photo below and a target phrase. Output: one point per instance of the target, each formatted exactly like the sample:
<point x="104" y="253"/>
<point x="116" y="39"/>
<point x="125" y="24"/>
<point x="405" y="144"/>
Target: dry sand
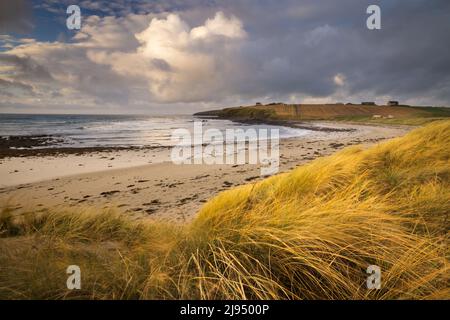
<point x="145" y="183"/>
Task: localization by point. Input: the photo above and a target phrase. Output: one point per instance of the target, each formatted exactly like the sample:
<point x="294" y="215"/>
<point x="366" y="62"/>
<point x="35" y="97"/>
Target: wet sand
<point x="146" y="184"/>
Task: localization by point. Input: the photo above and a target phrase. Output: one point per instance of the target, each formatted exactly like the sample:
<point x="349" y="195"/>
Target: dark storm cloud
<point x="410" y="55"/>
<point x="315" y="40"/>
<point x="15" y="16"/>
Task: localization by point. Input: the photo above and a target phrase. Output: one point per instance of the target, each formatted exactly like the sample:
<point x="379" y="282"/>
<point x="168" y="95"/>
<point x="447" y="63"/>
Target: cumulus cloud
<point x="191" y="60"/>
<point x="61" y="73"/>
<point x="114" y="58"/>
<point x="220" y="25"/>
<point x="188" y="55"/>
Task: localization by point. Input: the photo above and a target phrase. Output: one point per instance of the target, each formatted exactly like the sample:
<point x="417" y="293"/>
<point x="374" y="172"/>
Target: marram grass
<point x="307" y="234"/>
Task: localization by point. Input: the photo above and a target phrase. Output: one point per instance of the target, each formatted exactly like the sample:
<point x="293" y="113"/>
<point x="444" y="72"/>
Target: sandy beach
<point x="146" y="184"/>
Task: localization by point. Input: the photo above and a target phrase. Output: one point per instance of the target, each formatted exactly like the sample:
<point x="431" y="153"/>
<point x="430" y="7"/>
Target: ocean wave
<point x="94" y="131"/>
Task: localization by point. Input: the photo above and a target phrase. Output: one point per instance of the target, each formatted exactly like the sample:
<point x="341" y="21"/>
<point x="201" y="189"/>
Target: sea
<point x="80" y="131"/>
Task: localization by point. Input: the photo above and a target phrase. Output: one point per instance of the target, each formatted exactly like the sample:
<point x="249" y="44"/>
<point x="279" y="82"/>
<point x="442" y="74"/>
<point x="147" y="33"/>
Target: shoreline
<point x="143" y="183"/>
<point x="296" y="125"/>
<point x="44" y="145"/>
<point x="312" y="125"/>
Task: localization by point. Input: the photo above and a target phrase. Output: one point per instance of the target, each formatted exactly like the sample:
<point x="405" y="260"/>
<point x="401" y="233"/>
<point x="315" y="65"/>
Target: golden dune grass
<point x="307" y="234"/>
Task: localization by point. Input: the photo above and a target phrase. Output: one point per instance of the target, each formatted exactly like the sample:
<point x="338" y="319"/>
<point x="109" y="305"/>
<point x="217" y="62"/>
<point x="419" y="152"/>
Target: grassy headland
<point x="306" y="234"/>
<point x="407" y="115"/>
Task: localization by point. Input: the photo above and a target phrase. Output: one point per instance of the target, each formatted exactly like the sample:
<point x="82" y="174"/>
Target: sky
<point x="182" y="56"/>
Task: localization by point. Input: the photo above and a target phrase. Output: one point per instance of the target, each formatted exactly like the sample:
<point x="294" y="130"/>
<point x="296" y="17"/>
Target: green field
<point x="401" y="115"/>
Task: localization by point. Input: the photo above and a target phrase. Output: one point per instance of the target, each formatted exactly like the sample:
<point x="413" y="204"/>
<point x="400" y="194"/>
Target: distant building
<point x="393" y="103"/>
<point x="259" y="104"/>
<point x="368" y="103"/>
